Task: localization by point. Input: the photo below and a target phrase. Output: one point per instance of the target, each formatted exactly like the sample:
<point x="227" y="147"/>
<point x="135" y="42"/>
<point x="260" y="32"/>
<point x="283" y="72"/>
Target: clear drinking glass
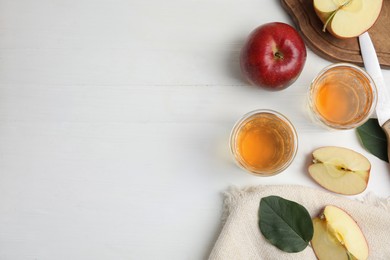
<point x="264" y="142"/>
<point x="342" y="96"/>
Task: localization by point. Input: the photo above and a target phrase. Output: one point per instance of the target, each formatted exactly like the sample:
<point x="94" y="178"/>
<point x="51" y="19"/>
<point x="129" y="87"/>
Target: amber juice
<point x="342" y="96"/>
<point x="264" y="142"/>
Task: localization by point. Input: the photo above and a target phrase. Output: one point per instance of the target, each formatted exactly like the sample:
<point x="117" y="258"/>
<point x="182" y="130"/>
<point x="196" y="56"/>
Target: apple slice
<point x="348" y="18"/>
<point x="337" y="236"/>
<point x="340" y="170"/>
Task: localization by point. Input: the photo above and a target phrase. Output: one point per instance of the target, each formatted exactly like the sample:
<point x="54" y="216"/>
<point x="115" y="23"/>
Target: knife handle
<point x="386" y="128"/>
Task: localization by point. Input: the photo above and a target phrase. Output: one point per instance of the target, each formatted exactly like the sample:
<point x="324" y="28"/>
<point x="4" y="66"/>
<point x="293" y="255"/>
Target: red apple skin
<point x="273" y="56"/>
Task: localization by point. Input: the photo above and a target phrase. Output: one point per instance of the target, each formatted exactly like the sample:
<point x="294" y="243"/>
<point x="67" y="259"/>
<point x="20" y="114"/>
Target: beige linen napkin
<point x="241" y="238"/>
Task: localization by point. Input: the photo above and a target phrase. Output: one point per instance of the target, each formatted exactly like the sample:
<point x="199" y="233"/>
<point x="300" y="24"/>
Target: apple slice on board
<point x="347" y="18"/>
<point x="337" y="236"/>
<point x="340" y="170"/>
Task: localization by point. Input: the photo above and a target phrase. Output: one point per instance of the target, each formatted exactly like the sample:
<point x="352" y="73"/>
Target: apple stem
<point x="333" y="14"/>
<point x="279" y="55"/>
<point x="350" y="256"/>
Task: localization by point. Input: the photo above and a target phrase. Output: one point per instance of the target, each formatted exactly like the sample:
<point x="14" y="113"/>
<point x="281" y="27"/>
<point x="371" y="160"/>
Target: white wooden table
<point x="114" y="125"/>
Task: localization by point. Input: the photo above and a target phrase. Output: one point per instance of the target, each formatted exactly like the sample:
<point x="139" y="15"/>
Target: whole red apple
<point x="273" y="56"/>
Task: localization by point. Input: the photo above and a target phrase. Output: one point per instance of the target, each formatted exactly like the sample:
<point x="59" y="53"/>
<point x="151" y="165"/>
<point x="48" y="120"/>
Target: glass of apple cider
<point x="264" y="142"/>
<point x="342" y="96"/>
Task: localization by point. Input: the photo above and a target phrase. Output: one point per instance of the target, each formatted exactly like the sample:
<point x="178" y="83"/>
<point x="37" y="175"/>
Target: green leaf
<point x="285" y="224"/>
<point x="373" y="138"/>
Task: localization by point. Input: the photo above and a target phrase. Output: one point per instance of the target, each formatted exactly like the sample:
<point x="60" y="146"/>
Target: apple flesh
<point x="337" y="236"/>
<point x="340" y="170"/>
<point x="347" y="18"/>
<point x="273" y="56"/>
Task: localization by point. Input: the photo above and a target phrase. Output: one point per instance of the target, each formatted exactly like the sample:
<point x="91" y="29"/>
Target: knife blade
<point x="371" y="64"/>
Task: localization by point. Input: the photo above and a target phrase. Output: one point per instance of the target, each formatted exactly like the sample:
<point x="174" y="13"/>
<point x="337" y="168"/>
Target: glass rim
<point x="233" y="138"/>
<point x="353" y="125"/>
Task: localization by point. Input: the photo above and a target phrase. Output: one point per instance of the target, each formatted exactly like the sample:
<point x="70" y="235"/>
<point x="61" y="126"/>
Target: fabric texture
<point x="241" y="238"/>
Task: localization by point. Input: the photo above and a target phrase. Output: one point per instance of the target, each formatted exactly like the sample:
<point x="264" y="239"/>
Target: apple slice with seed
<point x="348" y="18"/>
<point x="340" y="170"/>
<point x="337" y="236"/>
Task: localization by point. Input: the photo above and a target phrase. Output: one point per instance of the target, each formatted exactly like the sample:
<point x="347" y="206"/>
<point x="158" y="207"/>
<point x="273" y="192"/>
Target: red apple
<point x="273" y="56"/>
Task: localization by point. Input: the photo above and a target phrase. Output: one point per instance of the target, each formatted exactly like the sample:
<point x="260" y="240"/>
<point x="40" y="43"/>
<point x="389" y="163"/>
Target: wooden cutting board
<point x="332" y="48"/>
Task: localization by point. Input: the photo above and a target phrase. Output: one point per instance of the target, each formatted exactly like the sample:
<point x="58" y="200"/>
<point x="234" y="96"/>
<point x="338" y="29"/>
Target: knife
<point x="372" y="67"/>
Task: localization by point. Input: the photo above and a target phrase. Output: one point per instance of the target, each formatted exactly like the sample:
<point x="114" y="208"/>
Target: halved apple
<point x="348" y="18"/>
<point x="340" y="170"/>
<point x="337" y="236"/>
